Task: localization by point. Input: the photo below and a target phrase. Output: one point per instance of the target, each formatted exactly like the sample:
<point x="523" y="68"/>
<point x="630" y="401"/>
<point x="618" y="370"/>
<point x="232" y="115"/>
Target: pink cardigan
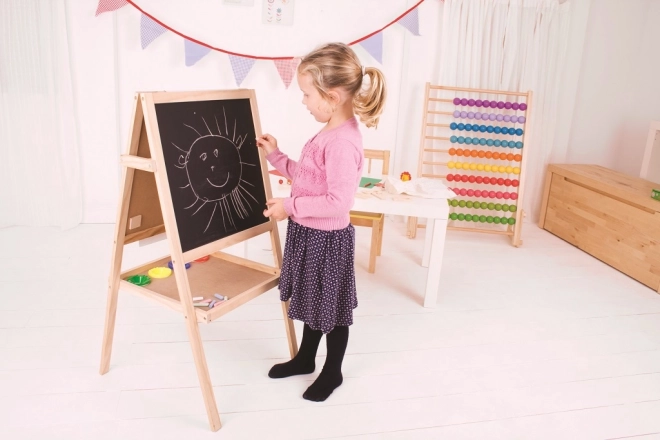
<point x="325" y="178"/>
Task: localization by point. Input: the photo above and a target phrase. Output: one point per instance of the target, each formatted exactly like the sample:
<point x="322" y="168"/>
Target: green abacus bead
<point x="469" y="204"/>
<point x="505" y="207"/>
<point x="513" y="208"/>
<point x="491" y="206"/>
<point x="498" y="207"/>
<point x="453" y="216"/>
<point x="496" y="220"/>
<point x="461" y="203"/>
<point x="482" y="218"/>
<point x="454" y="203"/>
<point x="512" y="220"/>
<point x="475" y="218"/>
<point x="489" y="219"/>
<point x="468" y="217"/>
<point x="461" y="217"/>
<point x="484" y="205"/>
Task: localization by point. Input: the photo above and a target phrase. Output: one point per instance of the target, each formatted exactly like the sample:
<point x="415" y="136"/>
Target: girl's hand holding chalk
<point x="276" y="209"/>
<point x="267" y="142"/>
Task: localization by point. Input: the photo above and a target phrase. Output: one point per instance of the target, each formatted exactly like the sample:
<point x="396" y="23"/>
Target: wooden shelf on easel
<point x="241" y="281"/>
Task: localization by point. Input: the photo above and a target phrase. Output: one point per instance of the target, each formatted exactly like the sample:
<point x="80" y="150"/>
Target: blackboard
<point x="213" y="168"/>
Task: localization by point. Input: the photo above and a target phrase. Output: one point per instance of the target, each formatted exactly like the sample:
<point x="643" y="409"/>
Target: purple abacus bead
<point x="514" y="119"/>
<point x="507" y="105"/>
<point x="523" y="106"/>
<point x="464" y="101"/>
<point x="457" y="114"/>
<point x="486" y="103"/>
<point x="492" y="116"/>
<point x="470" y="115"/>
<point x="500" y="104"/>
<point x="500" y="118"/>
<point x="478" y="103"/>
<point x="470" y="102"/>
<point x="457" y="101"/>
<point x="507" y="118"/>
<point x="515" y="106"/>
<point x="463" y="114"/>
<point x="521" y="119"/>
<point x="477" y="115"/>
<point x="493" y="104"/>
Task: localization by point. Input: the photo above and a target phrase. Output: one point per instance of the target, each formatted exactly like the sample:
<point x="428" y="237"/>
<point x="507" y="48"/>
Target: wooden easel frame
<point x="514" y="231"/>
<point x="145" y="155"/>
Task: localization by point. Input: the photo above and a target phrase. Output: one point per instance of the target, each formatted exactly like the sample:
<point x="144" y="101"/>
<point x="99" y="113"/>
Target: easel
<point x="438" y="103"/>
<point x="145" y="192"/>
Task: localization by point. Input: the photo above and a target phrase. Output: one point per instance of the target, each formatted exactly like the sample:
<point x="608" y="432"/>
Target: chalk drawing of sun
<point x="214" y="169"/>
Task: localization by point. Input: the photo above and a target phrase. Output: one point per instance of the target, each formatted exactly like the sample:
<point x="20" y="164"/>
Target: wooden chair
<point x="373" y="220"/>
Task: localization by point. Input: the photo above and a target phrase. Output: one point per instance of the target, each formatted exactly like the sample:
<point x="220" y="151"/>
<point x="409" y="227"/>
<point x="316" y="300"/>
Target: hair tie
<point x="363" y="71"/>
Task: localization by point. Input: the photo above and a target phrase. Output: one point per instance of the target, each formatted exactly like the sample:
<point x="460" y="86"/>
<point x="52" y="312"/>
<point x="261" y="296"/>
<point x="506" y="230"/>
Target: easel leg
<point x="109" y="329"/>
<point x="290" y="329"/>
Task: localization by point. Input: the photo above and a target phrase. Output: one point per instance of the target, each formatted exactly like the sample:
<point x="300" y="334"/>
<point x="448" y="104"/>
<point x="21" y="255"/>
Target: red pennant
<point x="109" y="5"/>
<point x="286" y="69"/>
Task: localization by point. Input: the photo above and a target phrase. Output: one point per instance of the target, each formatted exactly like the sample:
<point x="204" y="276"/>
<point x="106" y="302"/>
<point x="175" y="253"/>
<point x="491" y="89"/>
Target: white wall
<point x="619" y="92"/>
<point x="110" y="66"/>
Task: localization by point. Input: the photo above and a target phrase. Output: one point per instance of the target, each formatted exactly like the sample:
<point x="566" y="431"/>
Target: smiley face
<point x="214" y="166"/>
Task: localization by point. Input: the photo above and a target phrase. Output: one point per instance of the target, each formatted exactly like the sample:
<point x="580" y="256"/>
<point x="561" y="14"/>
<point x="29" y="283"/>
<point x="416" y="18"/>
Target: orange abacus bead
<point x="482" y="153"/>
<point x="496" y="155"/>
<point x="452" y="151"/>
<point x="517" y="157"/>
<point x="509" y="156"/>
<point x="474" y="153"/>
<point x="459" y="152"/>
<point x="489" y="154"/>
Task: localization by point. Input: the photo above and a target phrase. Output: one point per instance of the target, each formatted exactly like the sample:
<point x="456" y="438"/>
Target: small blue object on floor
<point x="171" y="266"/>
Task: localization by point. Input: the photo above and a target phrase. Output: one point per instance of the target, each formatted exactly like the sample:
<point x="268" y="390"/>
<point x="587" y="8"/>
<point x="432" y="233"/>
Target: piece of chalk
<point x="213" y="303"/>
<point x="217" y="303"/>
<point x="220" y="297"/>
<point x="198" y="298"/>
<point x="200" y="305"/>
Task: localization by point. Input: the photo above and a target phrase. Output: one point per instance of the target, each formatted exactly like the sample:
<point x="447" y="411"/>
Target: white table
<point x="436" y="211"/>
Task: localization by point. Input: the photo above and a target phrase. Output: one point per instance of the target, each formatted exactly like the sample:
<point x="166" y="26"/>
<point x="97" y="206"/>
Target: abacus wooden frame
<point x="514" y="231"/>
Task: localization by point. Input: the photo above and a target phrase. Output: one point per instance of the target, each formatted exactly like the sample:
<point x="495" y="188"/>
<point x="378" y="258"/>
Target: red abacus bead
<point x="464" y="178"/>
<point x="507" y="195"/>
<point x="479" y="179"/>
<point x="487" y="180"/>
<point x="514" y="196"/>
<point x="500" y="181"/>
<point x="281" y="181"/>
<point x="499" y="194"/>
<point x="462" y="191"/>
<point x="479" y="193"/>
<point x="490" y="194"/>
<point x="450" y="177"/>
<point x="470" y="192"/>
<point x="472" y="179"/>
<point x="515" y="182"/>
<point x="507" y="182"/>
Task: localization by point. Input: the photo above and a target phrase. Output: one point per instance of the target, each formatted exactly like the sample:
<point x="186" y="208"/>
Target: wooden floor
<point x="541" y="342"/>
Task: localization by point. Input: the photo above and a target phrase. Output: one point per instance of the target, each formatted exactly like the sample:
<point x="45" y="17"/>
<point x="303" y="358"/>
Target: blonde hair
<point x="335" y="65"/>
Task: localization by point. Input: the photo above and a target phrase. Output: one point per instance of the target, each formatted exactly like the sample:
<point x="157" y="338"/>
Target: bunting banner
<point x="109" y="5"/>
<point x="374" y="45"/>
<point x="149" y="30"/>
<point x="286" y="69"/>
<point x="241" y="67"/>
<point x="194" y="52"/>
<point x="411" y="22"/>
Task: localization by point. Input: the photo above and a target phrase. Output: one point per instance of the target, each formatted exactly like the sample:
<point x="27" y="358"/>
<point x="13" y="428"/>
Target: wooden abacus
<point x="493" y="118"/>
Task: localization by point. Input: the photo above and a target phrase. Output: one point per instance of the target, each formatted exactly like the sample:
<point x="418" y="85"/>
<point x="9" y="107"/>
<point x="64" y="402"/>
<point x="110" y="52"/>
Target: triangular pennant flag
<point x="374" y="45"/>
<point x="411" y="22"/>
<point x="241" y="67"/>
<point x="109" y="5"/>
<point x="286" y="69"/>
<point x="149" y="30"/>
<point x="194" y="52"/>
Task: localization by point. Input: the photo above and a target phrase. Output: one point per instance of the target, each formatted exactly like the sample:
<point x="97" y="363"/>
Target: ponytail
<point x="369" y="102"/>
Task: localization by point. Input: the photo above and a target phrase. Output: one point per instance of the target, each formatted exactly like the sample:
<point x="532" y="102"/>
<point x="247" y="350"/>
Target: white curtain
<point x="40" y="172"/>
<point x="512" y="45"/>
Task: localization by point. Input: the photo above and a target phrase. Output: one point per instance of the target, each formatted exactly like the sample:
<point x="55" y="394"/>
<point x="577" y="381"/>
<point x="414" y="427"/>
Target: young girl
<point x="318" y="266"/>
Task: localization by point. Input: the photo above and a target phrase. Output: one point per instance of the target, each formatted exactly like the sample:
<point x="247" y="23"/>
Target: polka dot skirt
<point x="318" y="275"/>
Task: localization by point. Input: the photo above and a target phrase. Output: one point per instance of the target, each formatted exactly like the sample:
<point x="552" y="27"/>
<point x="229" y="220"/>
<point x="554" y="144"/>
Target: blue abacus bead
<point x="464" y="101"/>
<point x="460" y="140"/>
<point x="497" y="142"/>
<point x="498" y="130"/>
<point x="469" y="140"/>
<point x="482" y="141"/>
<point x="457" y="101"/>
<point x="453" y="125"/>
<point x="482" y="128"/>
<point x="468" y="127"/>
<point x="512" y="144"/>
<point x="453" y="139"/>
<point x="461" y="126"/>
<point x="512" y="131"/>
<point x="490" y="142"/>
<point x="519" y="145"/>
<point x="490" y="129"/>
<point x="505" y="144"/>
<point x="519" y="132"/>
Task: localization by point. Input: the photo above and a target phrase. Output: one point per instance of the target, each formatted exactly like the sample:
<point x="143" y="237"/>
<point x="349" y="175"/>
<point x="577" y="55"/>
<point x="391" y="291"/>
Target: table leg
<point x="428" y="239"/>
<point x="437" y="233"/>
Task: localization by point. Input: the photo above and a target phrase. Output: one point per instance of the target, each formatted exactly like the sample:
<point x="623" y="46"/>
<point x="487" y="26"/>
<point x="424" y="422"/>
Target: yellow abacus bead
<point x="473" y="166"/>
<point x="465" y="165"/>
<point x="509" y="170"/>
<point x="451" y="165"/>
<point x="487" y="167"/>
<point x="502" y="169"/>
<point x="516" y="170"/>
<point x="480" y="167"/>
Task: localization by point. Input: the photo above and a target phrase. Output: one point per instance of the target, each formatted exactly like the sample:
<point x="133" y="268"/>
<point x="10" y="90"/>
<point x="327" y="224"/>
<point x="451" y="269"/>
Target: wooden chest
<point x="606" y="214"/>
